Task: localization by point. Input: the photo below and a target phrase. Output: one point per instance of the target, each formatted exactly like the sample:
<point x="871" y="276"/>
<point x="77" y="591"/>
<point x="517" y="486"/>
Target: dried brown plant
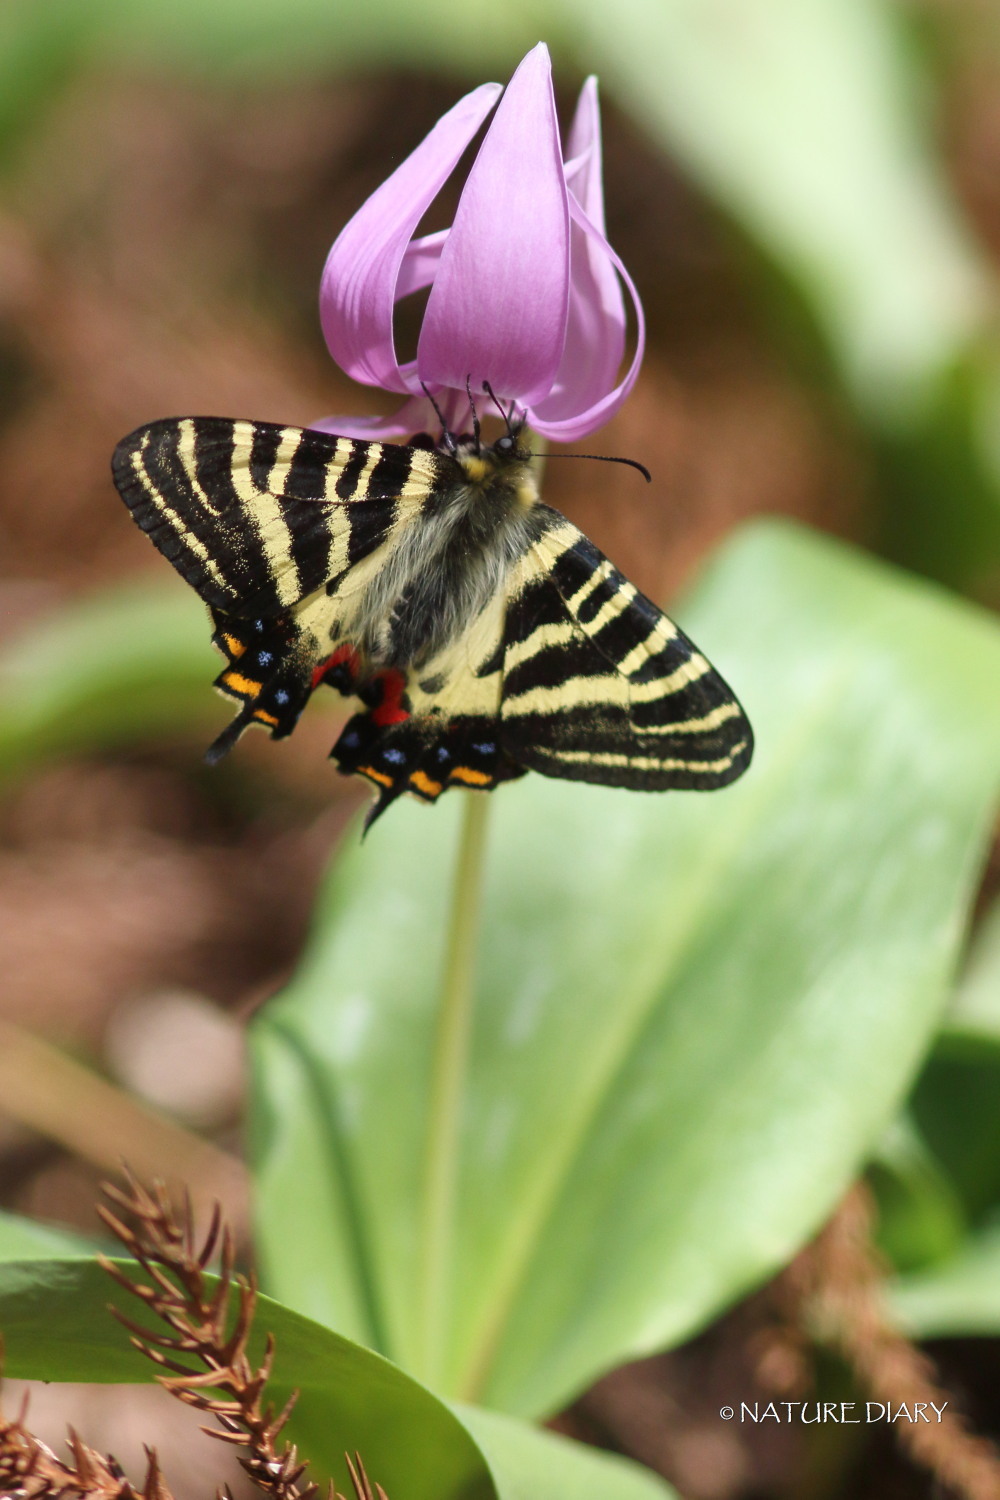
<point x="835" y="1290"/>
<point x="29" y="1470"/>
<point x="207" y="1321"/>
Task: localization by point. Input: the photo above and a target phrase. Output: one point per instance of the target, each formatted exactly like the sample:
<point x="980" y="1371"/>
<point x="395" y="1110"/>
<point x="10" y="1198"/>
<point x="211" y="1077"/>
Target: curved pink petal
<point x="591" y="272"/>
<point x="420" y="262"/>
<point x="595" y="332"/>
<point x="415" y="415"/>
<point x="410" y="418"/>
<point x="582" y="420"/>
<point x="583" y="155"/>
<point x="358" y="286"/>
<point x="497" y="310"/>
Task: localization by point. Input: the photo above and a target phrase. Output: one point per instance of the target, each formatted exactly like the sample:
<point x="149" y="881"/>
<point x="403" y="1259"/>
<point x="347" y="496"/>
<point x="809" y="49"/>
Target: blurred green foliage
<point x="138" y="666"/>
<point x="952" y="1281"/>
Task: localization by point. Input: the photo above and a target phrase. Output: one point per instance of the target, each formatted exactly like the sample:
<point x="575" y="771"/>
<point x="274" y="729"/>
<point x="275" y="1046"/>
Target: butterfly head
<point x="507" y="461"/>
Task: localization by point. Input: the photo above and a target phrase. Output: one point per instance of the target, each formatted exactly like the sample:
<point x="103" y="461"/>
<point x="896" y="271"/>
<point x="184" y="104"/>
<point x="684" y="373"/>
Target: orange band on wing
<point x="470" y="777"/>
<point x="265" y="718"/>
<point x="241" y="684"/>
<point x="374" y="775"/>
<point x="425" y="784"/>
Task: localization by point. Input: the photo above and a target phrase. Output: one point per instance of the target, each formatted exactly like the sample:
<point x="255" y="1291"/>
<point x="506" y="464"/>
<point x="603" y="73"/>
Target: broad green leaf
<point x="127" y="663"/>
<point x="56" y="1326"/>
<point x="694" y="1015"/>
<point x="528" y="1464"/>
<point x="26" y="1239"/>
<point x="957" y="1298"/>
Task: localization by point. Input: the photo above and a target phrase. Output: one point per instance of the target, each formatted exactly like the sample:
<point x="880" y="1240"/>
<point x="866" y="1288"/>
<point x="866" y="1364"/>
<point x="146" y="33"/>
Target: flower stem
<point x="448" y="1070"/>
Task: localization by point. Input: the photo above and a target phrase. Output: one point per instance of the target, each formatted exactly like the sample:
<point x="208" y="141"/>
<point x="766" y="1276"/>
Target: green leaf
<point x="123" y="664"/>
<point x="920" y="1216"/>
<point x="936" y="1175"/>
<point x="695" y="1015"/>
<point x="956" y="1108"/>
<point x="527" y="1463"/>
<point x="26" y="1239"/>
<point x="56" y="1327"/>
<point x="975" y="1007"/>
<point x="961" y="1297"/>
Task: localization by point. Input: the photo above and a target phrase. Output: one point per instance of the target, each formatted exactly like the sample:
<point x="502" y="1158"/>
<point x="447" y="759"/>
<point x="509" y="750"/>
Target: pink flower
<point x="525" y="289"/>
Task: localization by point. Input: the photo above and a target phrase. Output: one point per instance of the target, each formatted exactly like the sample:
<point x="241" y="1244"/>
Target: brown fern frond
<point x="205" y="1349"/>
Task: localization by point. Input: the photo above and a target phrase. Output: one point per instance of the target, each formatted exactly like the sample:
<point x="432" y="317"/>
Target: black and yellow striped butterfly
<point x="482" y="632"/>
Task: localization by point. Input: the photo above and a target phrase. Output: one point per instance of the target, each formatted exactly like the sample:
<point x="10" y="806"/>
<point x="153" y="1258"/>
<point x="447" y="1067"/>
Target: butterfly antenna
<point x="604" y="458"/>
<point x="448" y="438"/>
<point x="475" y="414"/>
<point x="505" y="415"/>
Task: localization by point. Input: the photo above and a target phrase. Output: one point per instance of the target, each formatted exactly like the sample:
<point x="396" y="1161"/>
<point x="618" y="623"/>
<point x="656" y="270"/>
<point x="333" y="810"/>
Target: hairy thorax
<point x="446" y="568"/>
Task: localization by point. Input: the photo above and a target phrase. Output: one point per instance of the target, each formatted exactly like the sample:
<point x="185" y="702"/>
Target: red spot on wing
<point x="390" y="708"/>
<point x="344" y="656"/>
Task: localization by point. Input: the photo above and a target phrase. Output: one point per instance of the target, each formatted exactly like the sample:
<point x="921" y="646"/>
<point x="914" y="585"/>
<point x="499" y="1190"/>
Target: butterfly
<point x="483" y="634"/>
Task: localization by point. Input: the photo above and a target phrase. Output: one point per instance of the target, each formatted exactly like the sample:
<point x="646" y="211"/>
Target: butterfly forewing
<point x="256" y="516"/>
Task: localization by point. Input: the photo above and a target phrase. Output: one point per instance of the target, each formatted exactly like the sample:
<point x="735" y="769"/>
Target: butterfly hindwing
<point x="573" y="673"/>
<point x="437" y="727"/>
<point x="600" y="686"/>
<point x="269" y="671"/>
<point x="256" y="516"/>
